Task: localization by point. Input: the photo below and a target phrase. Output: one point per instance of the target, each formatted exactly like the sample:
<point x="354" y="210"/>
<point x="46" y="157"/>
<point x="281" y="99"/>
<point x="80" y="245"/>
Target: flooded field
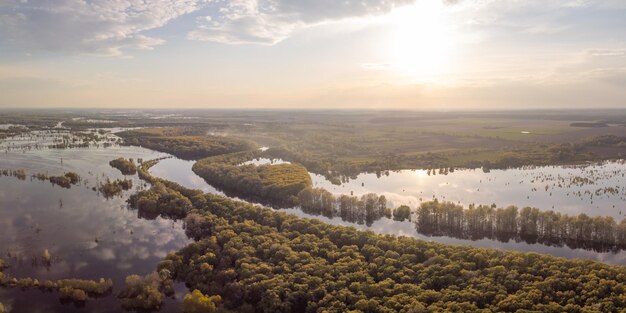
<point x="520" y="187"/>
<point x="90" y="236"/>
<point x="86" y="234"/>
<point x="596" y="189"/>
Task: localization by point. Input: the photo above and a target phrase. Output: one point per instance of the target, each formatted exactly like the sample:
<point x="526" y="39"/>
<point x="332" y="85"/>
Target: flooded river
<point x="90" y="236"/>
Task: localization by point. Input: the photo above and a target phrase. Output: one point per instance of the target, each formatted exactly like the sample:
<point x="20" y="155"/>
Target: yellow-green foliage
<point x="127" y="167"/>
<point x="276" y="183"/>
<point x="276" y="262"/>
<point x="160" y="199"/>
<point x="146" y="293"/>
<point x="289" y="177"/>
<point x="196" y="302"/>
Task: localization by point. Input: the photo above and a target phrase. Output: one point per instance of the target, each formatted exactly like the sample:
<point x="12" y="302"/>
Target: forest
<point x="247" y="258"/>
<point x="275" y="183"/>
<point x="252" y="259"/>
<point x="337" y="168"/>
<point x="185" y="143"/>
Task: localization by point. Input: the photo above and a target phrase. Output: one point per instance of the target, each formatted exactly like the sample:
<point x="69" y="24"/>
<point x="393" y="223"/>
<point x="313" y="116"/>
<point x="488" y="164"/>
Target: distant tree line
<point x="185" y="143"/>
<point x="339" y="166"/>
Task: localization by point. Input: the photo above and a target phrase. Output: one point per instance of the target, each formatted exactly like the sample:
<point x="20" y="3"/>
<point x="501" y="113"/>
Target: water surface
<point x="88" y="236"/>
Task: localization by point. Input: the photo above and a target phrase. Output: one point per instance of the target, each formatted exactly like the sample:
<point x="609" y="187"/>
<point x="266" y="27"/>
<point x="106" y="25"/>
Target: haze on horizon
<point x="409" y="54"/>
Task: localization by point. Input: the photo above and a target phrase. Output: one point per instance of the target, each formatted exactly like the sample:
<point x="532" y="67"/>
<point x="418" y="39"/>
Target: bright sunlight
<point x="422" y="43"/>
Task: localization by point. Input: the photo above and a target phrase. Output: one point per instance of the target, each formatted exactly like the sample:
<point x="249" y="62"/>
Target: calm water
<point x="406" y="187"/>
<point x="87" y="235"/>
<point x="90" y="236"/>
<point x="598" y="189"/>
<point x="557" y="188"/>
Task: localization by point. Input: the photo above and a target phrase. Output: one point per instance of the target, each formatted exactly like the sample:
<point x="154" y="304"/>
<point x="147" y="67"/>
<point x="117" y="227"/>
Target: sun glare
<point x="421" y="44"/>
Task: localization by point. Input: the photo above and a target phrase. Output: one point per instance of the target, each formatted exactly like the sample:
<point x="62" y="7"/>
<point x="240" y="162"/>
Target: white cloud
<point x="110" y="27"/>
<point x="270" y="21"/>
<point x="94" y="27"/>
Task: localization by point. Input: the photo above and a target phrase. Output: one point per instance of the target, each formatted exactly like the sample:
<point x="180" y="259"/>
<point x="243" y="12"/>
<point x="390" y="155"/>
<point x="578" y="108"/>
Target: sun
<point x="421" y="43"/>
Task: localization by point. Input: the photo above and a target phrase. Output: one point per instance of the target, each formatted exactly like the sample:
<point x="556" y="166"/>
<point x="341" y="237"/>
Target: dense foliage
<point x="260" y="260"/>
<point x="185" y="143"/>
<point x="196" y="302"/>
<point x="601" y="233"/>
<point x="127" y="167"/>
<point x="160" y="200"/>
<point x="276" y="183"/>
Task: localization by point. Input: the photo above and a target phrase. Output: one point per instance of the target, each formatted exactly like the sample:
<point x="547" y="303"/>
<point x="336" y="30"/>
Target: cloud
<point x="270" y="21"/>
<point x="110" y="27"/>
<point x="93" y="27"/>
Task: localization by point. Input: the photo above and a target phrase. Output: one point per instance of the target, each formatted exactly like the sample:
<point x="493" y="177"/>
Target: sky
<point x="380" y="54"/>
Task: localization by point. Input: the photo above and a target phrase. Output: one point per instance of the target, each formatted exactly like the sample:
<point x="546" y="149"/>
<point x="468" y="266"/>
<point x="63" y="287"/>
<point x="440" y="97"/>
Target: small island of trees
<point x="111" y="188"/>
<point x="276" y="183"/>
<point x="127" y="167"/>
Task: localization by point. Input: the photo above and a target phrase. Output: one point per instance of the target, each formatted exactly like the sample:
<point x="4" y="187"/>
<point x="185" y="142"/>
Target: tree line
<point x="361" y="210"/>
<point x="600" y="233"/>
<point x="185" y="143"/>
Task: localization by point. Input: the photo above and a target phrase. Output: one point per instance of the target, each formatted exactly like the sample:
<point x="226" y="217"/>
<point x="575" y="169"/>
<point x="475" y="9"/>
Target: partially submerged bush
<point x="146" y="293"/>
<point x="112" y="188"/>
<point x="69" y="293"/>
<point x="127" y="167"/>
<point x="65" y="181"/>
<point x="77" y="290"/>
